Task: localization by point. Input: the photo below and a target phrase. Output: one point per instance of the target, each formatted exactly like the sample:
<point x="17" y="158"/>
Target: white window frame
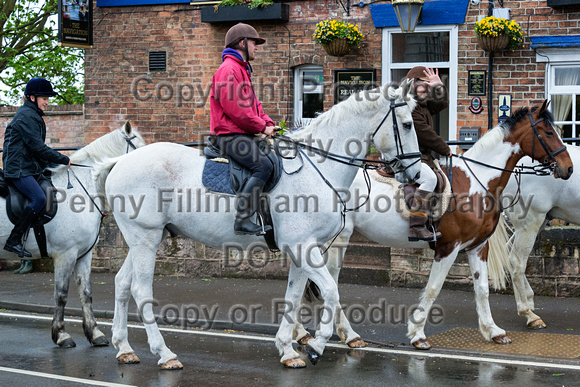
<point x="298" y="83"/>
<point x="554" y="58"/>
<point x="452" y="65"/>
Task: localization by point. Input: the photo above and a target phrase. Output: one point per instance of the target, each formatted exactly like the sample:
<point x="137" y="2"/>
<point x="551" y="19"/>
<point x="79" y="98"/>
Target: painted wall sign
<point x="505" y="107"/>
<point x="476" y="106"/>
<point x="476" y="82"/>
<point x="75" y="23"/>
<point x="347" y="82"/>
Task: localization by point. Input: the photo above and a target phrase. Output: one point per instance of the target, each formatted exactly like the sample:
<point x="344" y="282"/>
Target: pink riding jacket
<point x="233" y="102"/>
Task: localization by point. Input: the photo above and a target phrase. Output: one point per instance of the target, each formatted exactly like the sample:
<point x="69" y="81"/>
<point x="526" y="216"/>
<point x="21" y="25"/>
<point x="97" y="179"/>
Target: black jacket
<point x="25" y="153"/>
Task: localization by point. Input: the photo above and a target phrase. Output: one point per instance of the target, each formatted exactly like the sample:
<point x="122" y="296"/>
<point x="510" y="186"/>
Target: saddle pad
<point x="216" y="177"/>
<point x="438" y="210"/>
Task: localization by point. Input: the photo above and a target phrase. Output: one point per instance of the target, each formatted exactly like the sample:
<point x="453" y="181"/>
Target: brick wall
<point x="515" y="73"/>
<point x="173" y="106"/>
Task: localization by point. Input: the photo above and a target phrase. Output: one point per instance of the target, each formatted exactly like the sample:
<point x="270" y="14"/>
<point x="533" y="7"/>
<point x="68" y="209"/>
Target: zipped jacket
<point x="233" y="102"/>
<point x="25" y="153"/>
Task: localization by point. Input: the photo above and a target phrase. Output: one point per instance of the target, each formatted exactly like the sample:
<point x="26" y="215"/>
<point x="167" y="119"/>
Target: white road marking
<point x="61" y="377"/>
<point x="331" y="345"/>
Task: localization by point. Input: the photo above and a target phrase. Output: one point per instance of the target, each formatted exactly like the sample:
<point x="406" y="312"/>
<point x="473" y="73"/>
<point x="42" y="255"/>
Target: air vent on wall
<point x="157" y="61"/>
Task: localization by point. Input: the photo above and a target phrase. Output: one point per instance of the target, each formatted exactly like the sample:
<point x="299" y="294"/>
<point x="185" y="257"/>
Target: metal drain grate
<point x="523" y="343"/>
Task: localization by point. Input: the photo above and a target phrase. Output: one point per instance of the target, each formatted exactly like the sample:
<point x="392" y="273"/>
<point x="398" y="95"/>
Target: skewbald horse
<point x="470" y="220"/>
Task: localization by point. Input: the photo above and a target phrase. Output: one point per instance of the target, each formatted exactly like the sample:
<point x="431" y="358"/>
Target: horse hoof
<point x="502" y="339"/>
<point x="357" y="343"/>
<point x="421" y="344"/>
<point x="172" y="364"/>
<point x="100" y="341"/>
<point x="294" y="363"/>
<point x="537" y="324"/>
<point x="313" y="356"/>
<point x="67" y="343"/>
<point x="128" y="358"/>
<point x="305" y="339"/>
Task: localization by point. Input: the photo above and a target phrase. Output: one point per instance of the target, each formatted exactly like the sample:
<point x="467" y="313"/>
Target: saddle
<point x="439" y="202"/>
<point x="16" y="202"/>
<point x="221" y="174"/>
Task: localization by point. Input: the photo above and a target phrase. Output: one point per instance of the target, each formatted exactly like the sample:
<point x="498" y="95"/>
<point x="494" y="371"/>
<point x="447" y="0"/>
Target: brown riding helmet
<point x="417" y="73"/>
<point x="241" y="31"/>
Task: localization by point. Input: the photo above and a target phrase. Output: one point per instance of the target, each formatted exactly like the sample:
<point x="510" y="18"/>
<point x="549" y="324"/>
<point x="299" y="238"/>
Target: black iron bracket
<point x="345" y="6"/>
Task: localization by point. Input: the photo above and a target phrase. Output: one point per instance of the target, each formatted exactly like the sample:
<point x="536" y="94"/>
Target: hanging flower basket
<point x="493" y="43"/>
<point x="338" y="47"/>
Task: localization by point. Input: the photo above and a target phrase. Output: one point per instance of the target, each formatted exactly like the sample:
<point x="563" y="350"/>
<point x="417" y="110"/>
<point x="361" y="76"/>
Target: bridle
<point x="129" y="142"/>
<point x="551" y="156"/>
<point x="396" y="163"/>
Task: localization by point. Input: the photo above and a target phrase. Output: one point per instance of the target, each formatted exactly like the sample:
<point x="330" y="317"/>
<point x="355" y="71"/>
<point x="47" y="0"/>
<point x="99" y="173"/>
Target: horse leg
<point x="143" y="256"/>
<point x="63" y="268"/>
<point x="478" y="265"/>
<point x="123" y="279"/>
<point x="315" y="269"/>
<point x="83" y="281"/>
<point x="294" y="290"/>
<point x="416" y="322"/>
<point x="523" y="242"/>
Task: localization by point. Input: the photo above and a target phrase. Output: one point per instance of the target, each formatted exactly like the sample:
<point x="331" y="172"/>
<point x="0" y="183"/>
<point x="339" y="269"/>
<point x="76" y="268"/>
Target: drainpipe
<point x="490" y="78"/>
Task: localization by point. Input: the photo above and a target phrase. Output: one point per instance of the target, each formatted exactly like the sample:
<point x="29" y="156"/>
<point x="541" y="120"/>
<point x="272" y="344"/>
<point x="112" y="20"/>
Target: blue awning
<point x="555" y="41"/>
<point x="128" y="3"/>
<point x="434" y="12"/>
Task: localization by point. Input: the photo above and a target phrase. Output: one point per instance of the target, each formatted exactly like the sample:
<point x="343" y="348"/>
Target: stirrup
<point x="262" y="225"/>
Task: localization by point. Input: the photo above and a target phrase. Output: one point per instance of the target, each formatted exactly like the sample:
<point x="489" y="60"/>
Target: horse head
<point x="395" y="137"/>
<point x="540" y="140"/>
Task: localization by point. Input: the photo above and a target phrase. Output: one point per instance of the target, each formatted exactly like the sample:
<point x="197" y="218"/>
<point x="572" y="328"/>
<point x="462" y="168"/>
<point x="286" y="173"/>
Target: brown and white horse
<point x="468" y="223"/>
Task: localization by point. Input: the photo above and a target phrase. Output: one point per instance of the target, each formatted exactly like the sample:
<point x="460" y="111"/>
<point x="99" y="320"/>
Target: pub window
<point x="308" y="94"/>
<point x="564" y="92"/>
<point x="429" y="46"/>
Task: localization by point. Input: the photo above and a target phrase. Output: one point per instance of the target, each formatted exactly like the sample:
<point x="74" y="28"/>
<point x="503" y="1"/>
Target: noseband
<point x="551" y="156"/>
<point x="129" y="142"/>
<point x="396" y="162"/>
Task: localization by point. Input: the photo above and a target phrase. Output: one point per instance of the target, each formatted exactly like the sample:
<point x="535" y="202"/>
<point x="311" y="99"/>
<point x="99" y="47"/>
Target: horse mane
<point x="102" y="148"/>
<point x="489" y="141"/>
<point x="357" y="103"/>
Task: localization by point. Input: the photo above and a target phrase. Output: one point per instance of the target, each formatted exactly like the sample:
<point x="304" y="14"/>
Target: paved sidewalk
<point x="251" y="305"/>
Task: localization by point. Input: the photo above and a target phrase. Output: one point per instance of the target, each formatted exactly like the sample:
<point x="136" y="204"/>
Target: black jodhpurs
<point x="245" y="150"/>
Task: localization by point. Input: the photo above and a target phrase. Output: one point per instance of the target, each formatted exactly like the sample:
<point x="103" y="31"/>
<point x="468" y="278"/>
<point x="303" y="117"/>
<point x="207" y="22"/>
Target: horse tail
<point x="100" y="172"/>
<point x="312" y="292"/>
<point x="498" y="256"/>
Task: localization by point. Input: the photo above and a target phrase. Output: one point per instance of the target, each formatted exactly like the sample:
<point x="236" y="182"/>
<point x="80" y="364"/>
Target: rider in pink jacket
<point x="237" y="117"/>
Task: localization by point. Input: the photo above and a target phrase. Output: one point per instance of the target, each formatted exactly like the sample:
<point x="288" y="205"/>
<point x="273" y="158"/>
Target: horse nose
<point x="417" y="176"/>
<point x="570" y="170"/>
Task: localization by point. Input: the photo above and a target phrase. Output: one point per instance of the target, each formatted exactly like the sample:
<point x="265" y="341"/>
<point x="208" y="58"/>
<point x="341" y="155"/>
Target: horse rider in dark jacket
<point x="25" y="156"/>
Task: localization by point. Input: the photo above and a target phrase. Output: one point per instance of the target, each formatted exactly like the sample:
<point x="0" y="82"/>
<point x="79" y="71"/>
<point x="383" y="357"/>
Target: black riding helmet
<point x="39" y="86"/>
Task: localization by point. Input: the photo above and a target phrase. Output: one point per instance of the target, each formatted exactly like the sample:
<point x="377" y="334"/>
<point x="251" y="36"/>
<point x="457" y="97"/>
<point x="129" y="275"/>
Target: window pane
<point x="567" y="76"/>
<point x="421" y="47"/>
<point x="562" y="107"/>
<point x="312" y="104"/>
<point x="311" y="80"/>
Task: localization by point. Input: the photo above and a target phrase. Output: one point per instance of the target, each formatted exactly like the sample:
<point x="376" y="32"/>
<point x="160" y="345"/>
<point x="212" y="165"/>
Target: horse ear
<point x="544" y="107"/>
<point x="128" y="128"/>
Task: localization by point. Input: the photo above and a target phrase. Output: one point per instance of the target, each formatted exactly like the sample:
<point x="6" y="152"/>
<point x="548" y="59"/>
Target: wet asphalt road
<point x="240" y="360"/>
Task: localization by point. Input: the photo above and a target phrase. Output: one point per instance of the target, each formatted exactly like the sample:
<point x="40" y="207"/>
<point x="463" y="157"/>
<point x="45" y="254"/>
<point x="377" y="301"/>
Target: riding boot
<point x="420" y="211"/>
<point x="27" y="267"/>
<point x="17" y="271"/>
<point x="14" y="241"/>
<point x="248" y="204"/>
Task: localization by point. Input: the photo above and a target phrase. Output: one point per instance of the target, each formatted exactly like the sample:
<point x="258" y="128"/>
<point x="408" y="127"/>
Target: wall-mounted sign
<point x="505" y="107"/>
<point x="75" y="23"/>
<point x="476" y="106"/>
<point x="476" y="82"/>
<point x="347" y="82"/>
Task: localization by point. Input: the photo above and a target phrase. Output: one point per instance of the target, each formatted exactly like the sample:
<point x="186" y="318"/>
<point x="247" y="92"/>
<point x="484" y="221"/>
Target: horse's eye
<point x="549" y="133"/>
<point x="408" y="125"/>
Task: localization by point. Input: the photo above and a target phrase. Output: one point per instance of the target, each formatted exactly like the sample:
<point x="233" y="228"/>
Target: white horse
<point x="540" y="198"/>
<point x="168" y="180"/>
<point x="468" y="226"/>
<point x="74" y="231"/>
